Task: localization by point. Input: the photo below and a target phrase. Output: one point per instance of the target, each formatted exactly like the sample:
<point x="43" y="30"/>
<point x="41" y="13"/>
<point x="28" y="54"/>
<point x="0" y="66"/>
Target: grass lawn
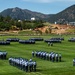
<point x="44" y="67"/>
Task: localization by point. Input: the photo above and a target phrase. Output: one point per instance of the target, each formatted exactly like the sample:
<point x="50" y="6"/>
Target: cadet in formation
<point x="3" y="55"/>
<point x="74" y="62"/>
<point x="59" y="57"/>
<point x="52" y="56"/>
<point x="23" y="64"/>
<point x="50" y="44"/>
<point x="32" y="53"/>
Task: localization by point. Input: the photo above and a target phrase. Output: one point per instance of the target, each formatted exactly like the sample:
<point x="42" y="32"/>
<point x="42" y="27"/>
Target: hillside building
<point x="33" y="19"/>
<point x="71" y="23"/>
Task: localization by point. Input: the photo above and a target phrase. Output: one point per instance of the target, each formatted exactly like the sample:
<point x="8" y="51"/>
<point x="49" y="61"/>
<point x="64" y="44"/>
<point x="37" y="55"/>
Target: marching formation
<point x="30" y="65"/>
<point x="3" y="55"/>
<point x="36" y="39"/>
<point x="23" y="64"/>
<point x="2" y="42"/>
<point x="54" y="40"/>
<point x="71" y="39"/>
<point x="13" y="39"/>
<point x="27" y="41"/>
<point x="52" y="56"/>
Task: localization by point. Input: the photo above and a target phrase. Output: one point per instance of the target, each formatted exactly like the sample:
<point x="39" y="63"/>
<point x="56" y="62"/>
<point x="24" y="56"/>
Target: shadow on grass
<point x="63" y="61"/>
<point x="38" y="70"/>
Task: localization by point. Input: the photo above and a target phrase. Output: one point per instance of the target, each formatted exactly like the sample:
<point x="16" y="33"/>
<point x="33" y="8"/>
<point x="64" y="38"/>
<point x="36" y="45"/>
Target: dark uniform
<point x="59" y="57"/>
<point x="30" y="66"/>
<point x="50" y="56"/>
<point x="51" y="44"/>
<point x="36" y="53"/>
<point x="74" y="62"/>
<point x="47" y="56"/>
<point x="4" y="55"/>
<point x="10" y="61"/>
<point x="48" y="43"/>
<point x="53" y="57"/>
<point x="33" y="53"/>
<point x="26" y="66"/>
<point x="56" y="56"/>
<point x="34" y="66"/>
<point x="23" y="64"/>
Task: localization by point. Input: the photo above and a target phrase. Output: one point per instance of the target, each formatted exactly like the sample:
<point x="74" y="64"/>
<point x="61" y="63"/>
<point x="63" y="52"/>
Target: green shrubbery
<point x="6" y="23"/>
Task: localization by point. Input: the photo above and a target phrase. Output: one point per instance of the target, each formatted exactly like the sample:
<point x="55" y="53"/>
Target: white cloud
<point x="49" y="1"/>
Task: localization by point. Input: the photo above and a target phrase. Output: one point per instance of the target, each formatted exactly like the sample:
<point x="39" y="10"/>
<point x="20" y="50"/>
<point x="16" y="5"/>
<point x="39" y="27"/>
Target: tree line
<point x="7" y="23"/>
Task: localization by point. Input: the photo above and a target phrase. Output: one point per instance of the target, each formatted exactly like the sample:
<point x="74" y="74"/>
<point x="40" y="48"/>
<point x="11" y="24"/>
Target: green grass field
<point x="44" y="67"/>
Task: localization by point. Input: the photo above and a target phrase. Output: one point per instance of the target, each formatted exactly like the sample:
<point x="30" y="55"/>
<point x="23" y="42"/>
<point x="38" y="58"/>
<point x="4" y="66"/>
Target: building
<point x="71" y="23"/>
<point x="33" y="18"/>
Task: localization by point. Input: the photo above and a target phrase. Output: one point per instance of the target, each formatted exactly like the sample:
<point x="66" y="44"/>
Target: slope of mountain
<point x="67" y="15"/>
<point x="18" y="13"/>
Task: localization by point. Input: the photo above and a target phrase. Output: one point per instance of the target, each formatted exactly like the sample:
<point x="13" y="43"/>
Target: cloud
<point x="48" y="1"/>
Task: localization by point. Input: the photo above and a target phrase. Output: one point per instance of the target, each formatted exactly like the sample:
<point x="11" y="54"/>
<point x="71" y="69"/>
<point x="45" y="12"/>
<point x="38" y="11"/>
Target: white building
<point x="19" y="20"/>
<point x="33" y="18"/>
<point x="71" y="23"/>
<point x="55" y="22"/>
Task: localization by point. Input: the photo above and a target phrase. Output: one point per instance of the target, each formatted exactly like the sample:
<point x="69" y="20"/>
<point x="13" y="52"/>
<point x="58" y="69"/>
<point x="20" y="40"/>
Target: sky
<point x="43" y="6"/>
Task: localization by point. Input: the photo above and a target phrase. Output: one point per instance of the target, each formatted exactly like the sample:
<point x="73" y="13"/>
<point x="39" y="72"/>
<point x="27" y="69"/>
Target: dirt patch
<point x="57" y="29"/>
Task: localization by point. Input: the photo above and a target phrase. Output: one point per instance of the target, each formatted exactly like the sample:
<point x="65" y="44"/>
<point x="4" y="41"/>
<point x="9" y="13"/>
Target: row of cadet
<point x="29" y="41"/>
<point x="4" y="42"/>
<point x="23" y="64"/>
<point x="3" y="54"/>
<point x="52" y="56"/>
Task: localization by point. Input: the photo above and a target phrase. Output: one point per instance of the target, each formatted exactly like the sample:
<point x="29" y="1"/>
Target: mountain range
<point x="17" y="13"/>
